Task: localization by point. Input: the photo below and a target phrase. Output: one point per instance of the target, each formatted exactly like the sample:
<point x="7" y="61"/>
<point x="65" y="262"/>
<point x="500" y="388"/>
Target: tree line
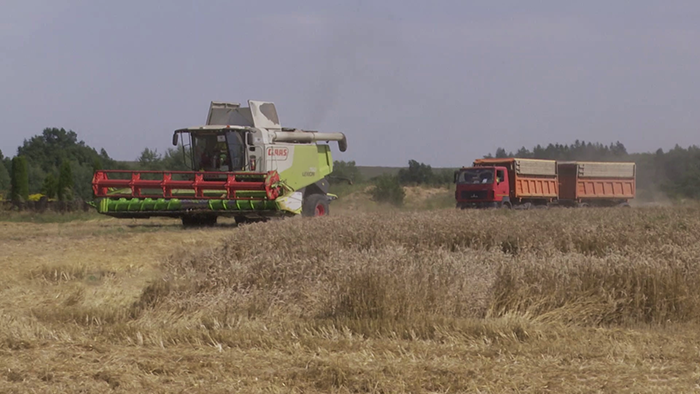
<point x="58" y="165"/>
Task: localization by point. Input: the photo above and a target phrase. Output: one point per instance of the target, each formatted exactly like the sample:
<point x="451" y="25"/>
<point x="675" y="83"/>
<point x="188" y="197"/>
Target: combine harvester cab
<point x="244" y="165"/>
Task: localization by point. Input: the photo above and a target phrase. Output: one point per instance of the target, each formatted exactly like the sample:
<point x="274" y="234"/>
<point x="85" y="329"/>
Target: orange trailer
<point x="596" y="183"/>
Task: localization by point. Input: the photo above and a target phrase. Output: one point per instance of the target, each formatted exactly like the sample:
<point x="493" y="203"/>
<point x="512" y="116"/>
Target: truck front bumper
<point x="478" y="204"/>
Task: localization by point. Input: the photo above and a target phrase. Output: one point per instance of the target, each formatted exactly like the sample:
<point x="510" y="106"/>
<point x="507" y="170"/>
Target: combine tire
<point x="315" y="205"/>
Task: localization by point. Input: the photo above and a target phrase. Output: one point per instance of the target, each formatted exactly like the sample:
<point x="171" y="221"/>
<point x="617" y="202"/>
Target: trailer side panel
<point x="584" y="181"/>
<point x="535" y="188"/>
<point x="591" y="188"/>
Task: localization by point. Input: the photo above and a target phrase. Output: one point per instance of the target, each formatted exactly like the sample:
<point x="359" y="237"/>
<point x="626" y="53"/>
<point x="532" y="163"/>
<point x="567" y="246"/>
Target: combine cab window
<point x="218" y="152"/>
<point x="236" y="147"/>
<point x="476" y="176"/>
<point x="203" y="148"/>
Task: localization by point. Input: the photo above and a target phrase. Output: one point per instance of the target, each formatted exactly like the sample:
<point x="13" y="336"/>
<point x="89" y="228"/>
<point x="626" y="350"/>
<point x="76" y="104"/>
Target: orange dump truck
<point x="507" y="183"/>
<point x="596" y="183"/>
<point x="531" y="183"/>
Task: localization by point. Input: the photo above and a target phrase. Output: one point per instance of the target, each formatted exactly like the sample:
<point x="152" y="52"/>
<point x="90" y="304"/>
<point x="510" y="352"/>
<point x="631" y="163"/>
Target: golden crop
<point x="565" y="300"/>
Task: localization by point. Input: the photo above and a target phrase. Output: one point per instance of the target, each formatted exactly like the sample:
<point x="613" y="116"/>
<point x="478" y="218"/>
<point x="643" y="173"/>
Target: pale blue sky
<point x="441" y="82"/>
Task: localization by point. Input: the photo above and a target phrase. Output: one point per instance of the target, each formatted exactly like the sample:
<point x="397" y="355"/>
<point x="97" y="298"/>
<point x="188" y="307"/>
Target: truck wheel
<point x="315" y="205"/>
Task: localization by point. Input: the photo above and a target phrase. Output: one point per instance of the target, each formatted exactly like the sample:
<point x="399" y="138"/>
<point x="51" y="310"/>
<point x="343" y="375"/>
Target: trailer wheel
<point x="315" y="205"/>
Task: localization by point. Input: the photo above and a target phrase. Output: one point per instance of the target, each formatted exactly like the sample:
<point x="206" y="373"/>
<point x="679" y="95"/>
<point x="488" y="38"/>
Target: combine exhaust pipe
<point x="298" y="136"/>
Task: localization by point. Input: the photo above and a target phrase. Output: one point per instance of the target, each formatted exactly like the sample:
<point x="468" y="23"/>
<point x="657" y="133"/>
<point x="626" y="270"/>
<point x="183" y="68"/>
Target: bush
<point x="416" y="174"/>
<point x="65" y="182"/>
<point x="346" y="171"/>
<point x="50" y="186"/>
<point x="423" y="174"/>
<point x="4" y="176"/>
<point x="19" y="179"/>
<point x="388" y="189"/>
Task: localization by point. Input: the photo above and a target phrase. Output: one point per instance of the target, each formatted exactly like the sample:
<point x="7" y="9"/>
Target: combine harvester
<point x="244" y="165"/>
<point x="530" y="183"/>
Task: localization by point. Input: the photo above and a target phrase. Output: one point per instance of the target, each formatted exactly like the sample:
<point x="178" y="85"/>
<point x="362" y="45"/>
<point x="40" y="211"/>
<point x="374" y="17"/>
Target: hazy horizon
<point x="442" y="83"/>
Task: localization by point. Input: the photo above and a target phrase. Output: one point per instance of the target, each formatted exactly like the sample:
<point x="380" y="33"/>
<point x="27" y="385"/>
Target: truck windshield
<point x="474" y="176"/>
<point x="218" y="151"/>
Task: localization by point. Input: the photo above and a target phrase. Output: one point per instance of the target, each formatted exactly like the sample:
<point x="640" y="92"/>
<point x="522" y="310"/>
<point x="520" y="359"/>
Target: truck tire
<point x="315" y="205"/>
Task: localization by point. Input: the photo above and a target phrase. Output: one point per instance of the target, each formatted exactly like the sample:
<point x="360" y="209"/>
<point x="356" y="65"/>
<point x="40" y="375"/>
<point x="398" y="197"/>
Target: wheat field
<point x="563" y="300"/>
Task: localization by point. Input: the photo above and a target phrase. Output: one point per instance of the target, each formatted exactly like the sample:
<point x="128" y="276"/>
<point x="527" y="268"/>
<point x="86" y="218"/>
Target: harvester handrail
<point x="134" y="186"/>
<point x="182" y="172"/>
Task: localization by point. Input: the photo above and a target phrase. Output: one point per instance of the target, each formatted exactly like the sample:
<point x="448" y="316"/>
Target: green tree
<point x="176" y="159"/>
<point x="4" y="175"/>
<point x="501" y="153"/>
<point x="6" y="161"/>
<point x="45" y="153"/>
<point x="65" y="182"/>
<point x="388" y="189"/>
<point x="19" y="179"/>
<point x="150" y="160"/>
<point x="96" y="164"/>
<point x="346" y="170"/>
<point x="416" y="174"/>
<point x="50" y="186"/>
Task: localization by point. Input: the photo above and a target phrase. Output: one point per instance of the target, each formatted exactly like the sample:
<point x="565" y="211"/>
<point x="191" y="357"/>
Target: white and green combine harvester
<point x="244" y="165"/>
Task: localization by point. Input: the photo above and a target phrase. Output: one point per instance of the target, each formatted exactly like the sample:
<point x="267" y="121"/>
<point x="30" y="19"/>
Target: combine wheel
<point x="506" y="205"/>
<point x="315" y="205"/>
